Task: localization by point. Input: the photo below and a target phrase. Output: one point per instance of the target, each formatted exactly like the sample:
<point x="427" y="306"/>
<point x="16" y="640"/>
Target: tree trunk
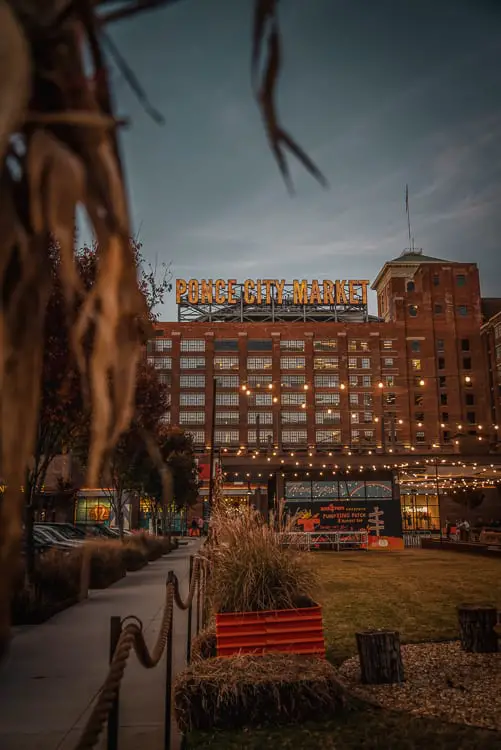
<point x="477" y="624"/>
<point x="380" y="657"/>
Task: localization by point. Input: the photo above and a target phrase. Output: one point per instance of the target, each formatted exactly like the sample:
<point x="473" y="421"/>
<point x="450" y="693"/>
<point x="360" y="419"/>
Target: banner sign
<point x="264" y="291"/>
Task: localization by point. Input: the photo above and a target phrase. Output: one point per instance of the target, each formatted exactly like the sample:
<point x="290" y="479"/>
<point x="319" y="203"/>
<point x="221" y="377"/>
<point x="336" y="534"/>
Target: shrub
<point x="247" y="691"/>
<point x="252" y="571"/>
<point x="106" y="563"/>
<point x="134" y="556"/>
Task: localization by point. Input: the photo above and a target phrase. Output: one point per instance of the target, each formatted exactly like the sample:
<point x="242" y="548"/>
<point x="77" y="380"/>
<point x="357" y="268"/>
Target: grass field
<point x="415" y="592"/>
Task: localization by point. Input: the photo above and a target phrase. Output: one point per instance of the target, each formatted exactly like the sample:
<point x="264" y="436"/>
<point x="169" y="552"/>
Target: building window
<point x="226" y="363"/>
<point x="292" y="381"/>
<point x="255" y="381"/>
<point x="368" y="417"/>
<point x="327" y="417"/>
<point x="412" y="311"/>
<point x="366" y="363"/>
<point x="440" y="345"/>
<point x="292" y="346"/>
<point x="292" y="363"/>
<point x="325" y="346"/>
<point x="160" y="363"/>
<point x="367" y="399"/>
<point x="260" y="345"/>
<point x="355" y="417"/>
<point x="193" y="345"/>
<point x="192" y="363"/>
<point x="443" y="399"/>
<point x="354" y="399"/>
<point x="296" y="399"/>
<point x="259" y="363"/>
<point x="265" y="436"/>
<point x="441" y="363"/>
<point x="198" y="436"/>
<point x="460" y="279"/>
<point x="418" y="399"/>
<point x="226" y="345"/>
<point x="261" y="399"/>
<point x="416" y="346"/>
<point x="192" y="417"/>
<point x="353" y="381"/>
<point x="462" y="310"/>
<point x="227" y="417"/>
<point x="438" y="309"/>
<point x="465" y="345"/>
<point x="436" y="279"/>
<point x="329" y="437"/>
<point x="227" y="399"/>
<point x="420" y="437"/>
<point x="470" y="399"/>
<point x="358" y="346"/>
<point x="293" y="417"/>
<point x="294" y="437"/>
<point x="227" y="381"/>
<point x="162" y="345"/>
<point x="410" y="286"/>
<point x="326" y="363"/>
<point x="226" y="437"/>
<point x="387" y="344"/>
<point x="192" y="381"/>
<point x="389" y="380"/>
<point x="390" y="399"/>
<point x="442" y="381"/>
<point x="470" y="417"/>
<point x="265" y="417"/>
<point x="164" y="379"/>
<point x="467" y="363"/>
<point x="416" y="364"/>
<point x="445" y="416"/>
<point x="192" y="399"/>
<point x="388" y="362"/>
<point x="165" y="418"/>
<point x="419" y="417"/>
<point x="329" y="399"/>
<point x="326" y="381"/>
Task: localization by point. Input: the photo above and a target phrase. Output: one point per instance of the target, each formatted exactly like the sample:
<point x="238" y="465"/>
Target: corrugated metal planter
<point x="295" y="631"/>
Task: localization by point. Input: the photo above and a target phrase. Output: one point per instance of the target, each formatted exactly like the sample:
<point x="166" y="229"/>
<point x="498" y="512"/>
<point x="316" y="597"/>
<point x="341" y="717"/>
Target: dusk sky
<point x="380" y="93"/>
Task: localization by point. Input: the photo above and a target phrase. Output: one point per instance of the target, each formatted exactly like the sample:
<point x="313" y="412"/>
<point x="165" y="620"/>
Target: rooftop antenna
<point x="411" y="239"/>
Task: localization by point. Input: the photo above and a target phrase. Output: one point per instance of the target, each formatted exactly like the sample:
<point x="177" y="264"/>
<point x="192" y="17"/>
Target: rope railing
<point x="127" y="636"/>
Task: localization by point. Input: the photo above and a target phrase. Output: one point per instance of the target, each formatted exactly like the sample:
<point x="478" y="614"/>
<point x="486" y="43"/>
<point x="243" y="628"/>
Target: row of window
<point x="232" y="345"/>
<point x="266" y="399"/>
<point x="460" y="281"/>
<point x="461" y="310"/>
<point x="266" y="418"/>
<point x="286" y="381"/>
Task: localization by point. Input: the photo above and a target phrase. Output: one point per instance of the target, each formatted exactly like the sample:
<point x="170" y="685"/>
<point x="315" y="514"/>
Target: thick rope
<point x="132" y="638"/>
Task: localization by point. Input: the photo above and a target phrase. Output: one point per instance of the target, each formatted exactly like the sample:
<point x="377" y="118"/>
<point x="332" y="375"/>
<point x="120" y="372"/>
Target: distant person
<point x="448" y="527"/>
<point x="200" y="524"/>
<point x="194" y="528"/>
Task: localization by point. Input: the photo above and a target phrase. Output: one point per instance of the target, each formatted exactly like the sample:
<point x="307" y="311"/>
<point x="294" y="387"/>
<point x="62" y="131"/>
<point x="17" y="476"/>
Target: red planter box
<point x="295" y="631"/>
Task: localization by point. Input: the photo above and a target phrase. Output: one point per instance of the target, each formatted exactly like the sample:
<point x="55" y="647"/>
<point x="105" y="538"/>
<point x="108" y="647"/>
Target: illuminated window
<point x="256" y="381"/>
<point x="226" y="363"/>
<point x="366" y="363"/>
<point x="292" y="381"/>
<point x="327" y="417"/>
<point x="353" y="381"/>
<point x="329" y="437"/>
<point x="412" y="311"/>
<point x="354" y="399"/>
<point x="161" y="363"/>
<point x="326" y="363"/>
<point x="192" y="381"/>
<point x="259" y="363"/>
<point x="164" y="379"/>
<point x="292" y="363"/>
<point x="420" y="437"/>
<point x="265" y="436"/>
<point x="292" y="346"/>
<point x="192" y="399"/>
<point x="198" y="436"/>
<point x="368" y="417"/>
<point x="163" y="345"/>
<point x="329" y="399"/>
<point x="165" y="418"/>
<point x="294" y="437"/>
<point x="260" y="399"/>
<point x="355" y="417"/>
<point x="226" y="437"/>
<point x="325" y="346"/>
<point x="193" y="345"/>
<point x="388" y="362"/>
<point x="416" y="364"/>
<point x="227" y="381"/>
<point x="192" y="363"/>
<point x="289" y="399"/>
<point x="389" y="380"/>
<point x="387" y="344"/>
<point x="367" y="381"/>
<point x="368" y="399"/>
<point x="352" y="363"/>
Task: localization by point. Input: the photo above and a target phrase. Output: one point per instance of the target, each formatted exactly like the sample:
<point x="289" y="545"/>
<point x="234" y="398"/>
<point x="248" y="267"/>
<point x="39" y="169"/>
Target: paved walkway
<point x="53" y="670"/>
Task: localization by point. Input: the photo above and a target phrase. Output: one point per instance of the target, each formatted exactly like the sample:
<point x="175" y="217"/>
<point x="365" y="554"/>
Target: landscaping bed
<point x="441" y="681"/>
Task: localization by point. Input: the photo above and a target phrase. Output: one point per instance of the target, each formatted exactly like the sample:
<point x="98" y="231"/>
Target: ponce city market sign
<point x="263" y="291"/>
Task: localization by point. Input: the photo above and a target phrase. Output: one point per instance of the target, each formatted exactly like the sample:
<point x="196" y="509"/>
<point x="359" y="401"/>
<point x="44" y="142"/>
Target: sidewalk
<point x="53" y="670"/>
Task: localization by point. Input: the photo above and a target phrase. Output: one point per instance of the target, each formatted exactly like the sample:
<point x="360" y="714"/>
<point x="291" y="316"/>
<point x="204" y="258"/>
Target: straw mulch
<point x="249" y="691"/>
<point x="204" y="645"/>
<point x="441" y="681"/>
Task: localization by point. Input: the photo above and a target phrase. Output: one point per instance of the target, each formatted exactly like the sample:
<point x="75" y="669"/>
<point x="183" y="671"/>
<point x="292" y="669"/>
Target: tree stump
<point x="477" y="623"/>
<point x="380" y="657"/>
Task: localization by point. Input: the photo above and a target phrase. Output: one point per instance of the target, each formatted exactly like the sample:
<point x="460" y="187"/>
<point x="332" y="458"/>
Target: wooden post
<point x="477" y="623"/>
<point x="380" y="657"/>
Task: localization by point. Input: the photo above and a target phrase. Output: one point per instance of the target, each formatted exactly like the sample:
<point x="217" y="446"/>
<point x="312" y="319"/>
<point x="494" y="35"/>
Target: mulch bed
<point x="441" y="681"/>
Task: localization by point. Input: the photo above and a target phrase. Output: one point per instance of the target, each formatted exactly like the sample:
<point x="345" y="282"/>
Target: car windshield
<point x="52" y="533"/>
<point x="67" y="531"/>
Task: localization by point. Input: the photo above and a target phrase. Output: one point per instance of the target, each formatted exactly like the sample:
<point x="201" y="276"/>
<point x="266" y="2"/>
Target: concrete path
<point x="53" y="670"/>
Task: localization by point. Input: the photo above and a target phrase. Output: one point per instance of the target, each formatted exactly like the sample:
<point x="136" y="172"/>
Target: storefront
<point x="420" y="512"/>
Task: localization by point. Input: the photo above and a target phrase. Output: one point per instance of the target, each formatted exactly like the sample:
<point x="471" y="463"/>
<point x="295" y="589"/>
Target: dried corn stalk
<point x="58" y="149"/>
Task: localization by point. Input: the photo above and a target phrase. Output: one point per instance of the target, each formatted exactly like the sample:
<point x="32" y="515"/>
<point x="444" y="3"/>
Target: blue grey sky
<point x="379" y="92"/>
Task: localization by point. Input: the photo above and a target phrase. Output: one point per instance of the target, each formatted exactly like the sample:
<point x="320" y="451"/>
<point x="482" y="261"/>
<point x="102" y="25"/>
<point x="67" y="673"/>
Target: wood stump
<point x="380" y="657"/>
<point x="477" y="623"/>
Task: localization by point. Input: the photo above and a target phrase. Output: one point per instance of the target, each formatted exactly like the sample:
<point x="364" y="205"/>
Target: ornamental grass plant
<point x="252" y="571"/>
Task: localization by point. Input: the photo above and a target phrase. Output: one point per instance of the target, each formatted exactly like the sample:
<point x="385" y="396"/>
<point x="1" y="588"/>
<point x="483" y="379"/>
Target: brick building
<point x="412" y="379"/>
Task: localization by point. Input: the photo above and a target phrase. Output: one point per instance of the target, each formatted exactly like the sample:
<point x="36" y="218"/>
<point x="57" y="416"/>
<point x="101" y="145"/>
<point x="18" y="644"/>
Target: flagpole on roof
<point x="411" y="239"/>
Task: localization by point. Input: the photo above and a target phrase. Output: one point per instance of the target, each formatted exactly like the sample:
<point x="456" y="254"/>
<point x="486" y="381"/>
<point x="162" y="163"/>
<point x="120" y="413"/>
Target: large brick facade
<point x="414" y="381"/>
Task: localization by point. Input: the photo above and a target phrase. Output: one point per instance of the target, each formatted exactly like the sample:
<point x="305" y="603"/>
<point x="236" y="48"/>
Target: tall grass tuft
<point x="251" y="569"/>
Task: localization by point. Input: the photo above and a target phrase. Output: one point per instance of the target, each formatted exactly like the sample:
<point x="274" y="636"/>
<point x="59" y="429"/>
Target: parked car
<point x="68" y="530"/>
<point x="42" y="537"/>
<point x="55" y="536"/>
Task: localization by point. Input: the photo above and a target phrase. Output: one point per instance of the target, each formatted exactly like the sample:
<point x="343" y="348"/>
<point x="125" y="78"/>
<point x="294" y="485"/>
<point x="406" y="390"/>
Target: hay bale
<point x="204" y="645"/>
<point x="249" y="691"/>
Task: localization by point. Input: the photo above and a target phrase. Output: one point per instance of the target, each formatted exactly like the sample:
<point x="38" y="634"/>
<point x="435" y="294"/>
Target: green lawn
<point x="415" y="592"/>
